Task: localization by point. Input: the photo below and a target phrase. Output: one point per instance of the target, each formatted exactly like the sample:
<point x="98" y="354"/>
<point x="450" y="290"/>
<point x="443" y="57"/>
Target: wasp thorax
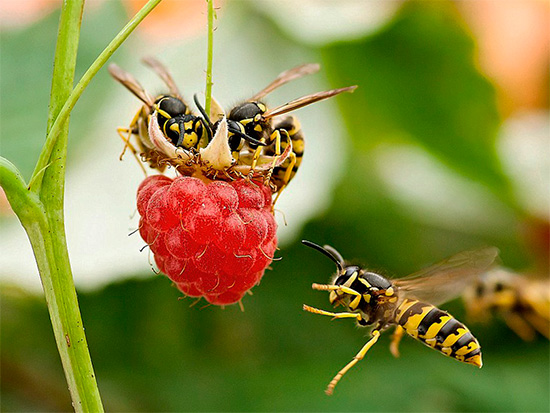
<point x="171" y="105"/>
<point x="376" y="280"/>
<point x="247" y="111"/>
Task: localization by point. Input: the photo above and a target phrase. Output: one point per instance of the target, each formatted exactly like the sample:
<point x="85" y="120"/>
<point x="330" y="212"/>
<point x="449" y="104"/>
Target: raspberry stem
<point x="208" y="91"/>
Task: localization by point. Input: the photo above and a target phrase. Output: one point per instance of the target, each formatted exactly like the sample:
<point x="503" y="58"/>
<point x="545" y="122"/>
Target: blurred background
<point x="444" y="146"/>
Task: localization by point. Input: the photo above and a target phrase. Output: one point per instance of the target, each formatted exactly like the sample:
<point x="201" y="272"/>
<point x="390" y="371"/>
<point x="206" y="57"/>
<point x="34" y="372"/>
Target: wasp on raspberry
<point x="254" y="119"/>
<point x="168" y="113"/>
<point x="179" y="125"/>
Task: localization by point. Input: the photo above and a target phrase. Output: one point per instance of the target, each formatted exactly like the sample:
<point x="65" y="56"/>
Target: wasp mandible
<point x="408" y="303"/>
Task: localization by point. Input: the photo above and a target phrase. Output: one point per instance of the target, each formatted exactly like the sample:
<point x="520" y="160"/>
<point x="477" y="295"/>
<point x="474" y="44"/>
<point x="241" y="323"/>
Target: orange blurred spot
<point x="15" y="13"/>
<point x="172" y="19"/>
<point x="514" y="45"/>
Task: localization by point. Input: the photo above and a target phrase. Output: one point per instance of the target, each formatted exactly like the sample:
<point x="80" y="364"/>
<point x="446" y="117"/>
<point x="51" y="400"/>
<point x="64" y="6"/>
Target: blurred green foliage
<point x="26" y="67"/>
<point x="419" y="84"/>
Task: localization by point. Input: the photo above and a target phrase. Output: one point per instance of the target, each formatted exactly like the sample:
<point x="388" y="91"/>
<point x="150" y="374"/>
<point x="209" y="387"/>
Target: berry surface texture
<point x="213" y="240"/>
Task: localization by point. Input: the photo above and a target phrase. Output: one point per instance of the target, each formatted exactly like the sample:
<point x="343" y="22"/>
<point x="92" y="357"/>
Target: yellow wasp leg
<point x="277" y="140"/>
<point x="129" y="131"/>
<point x="128" y="144"/>
<point x="286" y="178"/>
<point x="359" y="356"/>
<point x="396" y="338"/>
<point x="255" y="158"/>
<point x="519" y="326"/>
<point x="342" y="288"/>
<point x="333" y="315"/>
<point x="539" y="323"/>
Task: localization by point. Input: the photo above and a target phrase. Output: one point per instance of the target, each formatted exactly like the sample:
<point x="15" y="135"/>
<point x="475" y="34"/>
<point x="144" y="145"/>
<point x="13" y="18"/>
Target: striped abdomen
<point x="439" y="330"/>
<point x="281" y="174"/>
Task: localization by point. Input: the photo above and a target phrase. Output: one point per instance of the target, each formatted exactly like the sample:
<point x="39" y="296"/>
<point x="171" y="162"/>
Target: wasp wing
<point x="447" y="279"/>
<point x="163" y="73"/>
<point x="306" y="100"/>
<point x="131" y="84"/>
<point x="285" y="77"/>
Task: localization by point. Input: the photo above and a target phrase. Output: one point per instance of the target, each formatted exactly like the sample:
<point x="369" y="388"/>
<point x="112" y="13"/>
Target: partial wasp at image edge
<point x="522" y="301"/>
<point x="409" y="303"/>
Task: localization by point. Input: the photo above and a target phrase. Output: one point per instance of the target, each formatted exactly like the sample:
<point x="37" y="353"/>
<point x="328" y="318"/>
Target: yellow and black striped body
<point x="439" y="330"/>
<point x="289" y="128"/>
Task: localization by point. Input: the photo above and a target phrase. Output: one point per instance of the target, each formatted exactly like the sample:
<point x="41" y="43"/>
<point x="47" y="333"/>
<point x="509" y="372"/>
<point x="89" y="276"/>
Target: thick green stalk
<point x="41" y="210"/>
<point x="49" y="234"/>
<point x="209" y="58"/>
<point x="54" y="131"/>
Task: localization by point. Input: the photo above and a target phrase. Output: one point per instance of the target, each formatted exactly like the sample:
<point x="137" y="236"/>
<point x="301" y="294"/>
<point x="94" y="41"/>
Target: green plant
<point x="39" y="204"/>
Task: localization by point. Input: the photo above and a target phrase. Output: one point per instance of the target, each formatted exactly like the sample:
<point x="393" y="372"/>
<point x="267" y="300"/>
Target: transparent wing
<point x="131" y="84"/>
<point x="285" y="77"/>
<point x="163" y="73"/>
<point x="447" y="279"/>
<point x="306" y="100"/>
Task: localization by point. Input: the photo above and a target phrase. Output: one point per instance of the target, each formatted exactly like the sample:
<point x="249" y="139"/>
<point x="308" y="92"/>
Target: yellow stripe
<point x="471" y="346"/>
<point x="411" y="326"/>
<point x="449" y="341"/>
<point x="405" y="305"/>
<point x="436" y="327"/>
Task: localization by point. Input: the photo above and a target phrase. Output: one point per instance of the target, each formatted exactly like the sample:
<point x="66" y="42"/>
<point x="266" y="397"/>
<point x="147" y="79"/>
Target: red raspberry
<point x="214" y="240"/>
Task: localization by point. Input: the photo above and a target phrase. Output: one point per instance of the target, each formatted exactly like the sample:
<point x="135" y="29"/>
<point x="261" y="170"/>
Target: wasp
<point x="523" y="302"/>
<point x="276" y="133"/>
<point x="178" y="124"/>
<point x="408" y="303"/>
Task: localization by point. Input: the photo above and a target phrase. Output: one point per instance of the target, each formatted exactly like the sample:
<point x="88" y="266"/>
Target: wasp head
<point x="250" y="115"/>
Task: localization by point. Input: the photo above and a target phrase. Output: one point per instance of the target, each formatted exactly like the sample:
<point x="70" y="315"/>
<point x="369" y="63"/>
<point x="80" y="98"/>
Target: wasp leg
<point x="519" y="326"/>
<point x="396" y="339"/>
<point x="126" y="139"/>
<point x="538" y="323"/>
<point x="128" y="144"/>
<point x="359" y="356"/>
<point x="342" y="288"/>
<point x="275" y="139"/>
<point x="313" y="310"/>
<point x="288" y="172"/>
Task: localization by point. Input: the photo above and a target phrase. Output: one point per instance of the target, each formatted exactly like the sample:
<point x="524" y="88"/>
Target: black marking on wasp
<point x="374" y="300"/>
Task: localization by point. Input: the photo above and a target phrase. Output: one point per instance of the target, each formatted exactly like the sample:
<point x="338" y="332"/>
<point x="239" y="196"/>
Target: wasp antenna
<point x="201" y="109"/>
<point x="336" y="258"/>
<point x="247" y="137"/>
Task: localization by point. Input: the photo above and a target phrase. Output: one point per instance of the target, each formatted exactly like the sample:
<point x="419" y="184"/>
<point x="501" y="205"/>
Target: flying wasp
<point x="523" y="302"/>
<point x="276" y="134"/>
<point x="408" y="303"/>
<point x="178" y="124"/>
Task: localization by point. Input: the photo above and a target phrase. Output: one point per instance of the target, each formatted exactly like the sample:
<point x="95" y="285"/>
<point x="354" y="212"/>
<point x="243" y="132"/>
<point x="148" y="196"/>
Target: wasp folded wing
<point x="285" y="77"/>
<point x="306" y="100"/>
<point x="130" y="82"/>
<point x="447" y="279"/>
<point x="163" y="73"/>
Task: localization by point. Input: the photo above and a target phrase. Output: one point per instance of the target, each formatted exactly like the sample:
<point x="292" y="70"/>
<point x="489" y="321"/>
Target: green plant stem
<point x="53" y="133"/>
<point x="48" y="236"/>
<point x="40" y="208"/>
<point x="209" y="58"/>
